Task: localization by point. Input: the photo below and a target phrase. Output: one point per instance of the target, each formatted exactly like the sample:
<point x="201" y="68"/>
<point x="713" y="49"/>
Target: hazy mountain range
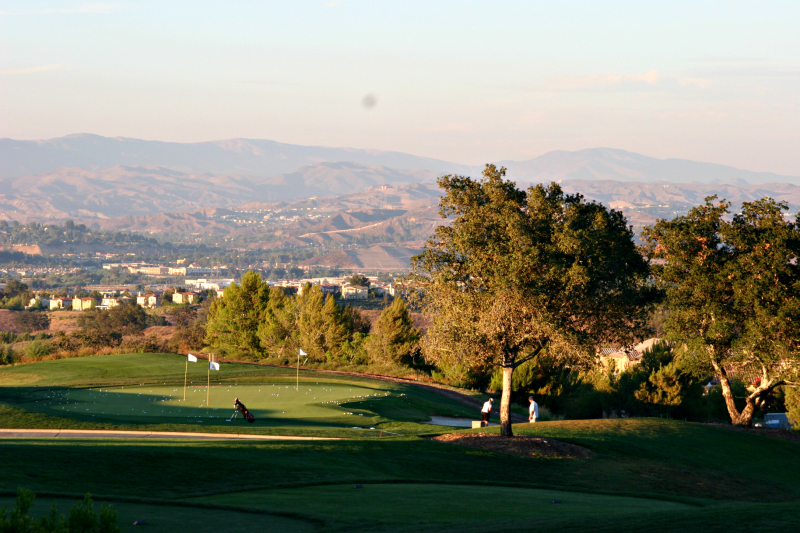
<point x="248" y="157"/>
<point x="92" y="177"/>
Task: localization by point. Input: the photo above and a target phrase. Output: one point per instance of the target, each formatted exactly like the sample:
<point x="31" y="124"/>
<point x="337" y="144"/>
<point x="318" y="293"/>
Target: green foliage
<point x="14" y="288"/>
<point x="792" y="398"/>
<point x="124" y="319"/>
<point x="15" y="295"/>
<point x="358" y="280"/>
<point x="82" y="517"/>
<point x="7" y="355"/>
<point x="256" y="321"/>
<point x="29" y="321"/>
<point x="37" y="349"/>
<point x="519" y="271"/>
<point x="395" y="338"/>
<point x="733" y="293"/>
<point x="53" y="234"/>
<point x="234" y="320"/>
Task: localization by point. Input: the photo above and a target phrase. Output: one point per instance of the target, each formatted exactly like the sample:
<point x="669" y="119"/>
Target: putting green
<point x="318" y="401"/>
<point x="145" y="392"/>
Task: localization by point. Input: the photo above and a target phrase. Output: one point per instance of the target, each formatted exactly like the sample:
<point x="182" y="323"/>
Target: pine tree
<point x="395" y="336"/>
<point x="233" y="320"/>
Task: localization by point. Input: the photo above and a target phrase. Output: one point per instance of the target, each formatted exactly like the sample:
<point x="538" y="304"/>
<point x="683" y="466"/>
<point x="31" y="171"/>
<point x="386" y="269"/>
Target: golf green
<point x="319" y="401"/>
<point x="146" y="392"/>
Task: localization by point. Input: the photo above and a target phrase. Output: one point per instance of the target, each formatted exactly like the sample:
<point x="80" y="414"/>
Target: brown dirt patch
<point x="162" y="332"/>
<point x="519" y="445"/>
<point x="774" y="433"/>
<point x="7" y="321"/>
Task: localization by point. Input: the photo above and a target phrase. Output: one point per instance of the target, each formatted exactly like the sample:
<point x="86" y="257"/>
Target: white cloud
<point x="650" y="77"/>
<point x="30" y="70"/>
<point x="700" y="82"/>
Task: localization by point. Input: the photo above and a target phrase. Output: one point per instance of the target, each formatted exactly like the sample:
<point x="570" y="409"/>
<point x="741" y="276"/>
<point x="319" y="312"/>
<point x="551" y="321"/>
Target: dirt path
<point x="71" y="433"/>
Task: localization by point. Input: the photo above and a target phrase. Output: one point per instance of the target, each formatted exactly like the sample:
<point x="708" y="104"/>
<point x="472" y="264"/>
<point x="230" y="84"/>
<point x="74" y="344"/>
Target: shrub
<point x="82" y="517"/>
<point x="29" y="321"/>
<point x="7" y="355"/>
<point x="38" y="349"/>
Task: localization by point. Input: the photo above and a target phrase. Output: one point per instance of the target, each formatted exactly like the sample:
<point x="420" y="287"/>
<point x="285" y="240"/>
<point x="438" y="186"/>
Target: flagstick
<point x="208" y="387"/>
<point x="298" y="370"/>
<point x="185" y="375"/>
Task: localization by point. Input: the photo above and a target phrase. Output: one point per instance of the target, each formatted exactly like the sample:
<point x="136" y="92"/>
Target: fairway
<point x="172" y="518"/>
<point x="643" y="475"/>
<point x="414" y="503"/>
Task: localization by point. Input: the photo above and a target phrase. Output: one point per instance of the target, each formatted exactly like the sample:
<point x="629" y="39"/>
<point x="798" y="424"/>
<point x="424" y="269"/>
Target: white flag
<point x="302" y="352"/>
<point x="191" y="358"/>
<point x="213" y="366"/>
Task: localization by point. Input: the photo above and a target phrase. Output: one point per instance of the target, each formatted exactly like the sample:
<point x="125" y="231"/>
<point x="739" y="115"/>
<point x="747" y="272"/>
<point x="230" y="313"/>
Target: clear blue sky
<point x="464" y="81"/>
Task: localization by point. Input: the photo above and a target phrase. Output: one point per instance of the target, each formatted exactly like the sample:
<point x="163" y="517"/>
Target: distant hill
<point x="620" y="165"/>
<point x="143" y="191"/>
<point x="252" y="157"/>
<point x="381" y="257"/>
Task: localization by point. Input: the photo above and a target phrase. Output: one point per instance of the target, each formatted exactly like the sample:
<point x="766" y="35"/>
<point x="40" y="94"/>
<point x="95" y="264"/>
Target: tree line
<point x="256" y="320"/>
<point x="541" y="276"/>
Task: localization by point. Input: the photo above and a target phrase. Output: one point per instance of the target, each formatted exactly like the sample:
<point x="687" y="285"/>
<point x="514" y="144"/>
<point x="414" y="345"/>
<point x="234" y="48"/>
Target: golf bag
<point x="245" y="413"/>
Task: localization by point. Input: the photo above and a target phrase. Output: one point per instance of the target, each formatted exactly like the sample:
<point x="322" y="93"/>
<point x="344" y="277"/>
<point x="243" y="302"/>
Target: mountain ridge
<point x="264" y="158"/>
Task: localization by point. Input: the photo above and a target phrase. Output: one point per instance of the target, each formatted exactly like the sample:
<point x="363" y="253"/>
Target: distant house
<point x="60" y="303"/>
<point x="109" y="302"/>
<point x="328" y="288"/>
<point x="624" y="357"/>
<point x="185" y="297"/>
<point x="84" y="304"/>
<point x="355" y="292"/>
<point x="45" y="302"/>
<point x="149" y="270"/>
<point x="148" y="300"/>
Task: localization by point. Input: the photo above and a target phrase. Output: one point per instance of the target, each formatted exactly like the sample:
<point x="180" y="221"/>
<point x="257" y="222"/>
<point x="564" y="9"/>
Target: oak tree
<point x="732" y="287"/>
<point x="519" y="272"/>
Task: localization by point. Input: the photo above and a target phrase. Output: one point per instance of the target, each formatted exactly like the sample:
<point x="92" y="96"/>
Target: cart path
<point x="103" y="433"/>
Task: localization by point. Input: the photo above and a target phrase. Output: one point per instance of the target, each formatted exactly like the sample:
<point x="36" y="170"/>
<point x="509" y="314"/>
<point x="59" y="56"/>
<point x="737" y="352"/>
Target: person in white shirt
<point x="486" y="412"/>
<point x="533" y="410"/>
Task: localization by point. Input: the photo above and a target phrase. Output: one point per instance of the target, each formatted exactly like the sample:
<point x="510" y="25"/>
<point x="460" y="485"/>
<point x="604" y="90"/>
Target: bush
<point x="37" y="349"/>
<point x="149" y="344"/>
<point x="7" y="356"/>
<point x="82" y="517"/>
<point x="29" y="321"/>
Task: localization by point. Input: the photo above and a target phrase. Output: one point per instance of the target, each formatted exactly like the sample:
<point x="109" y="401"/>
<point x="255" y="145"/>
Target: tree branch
<point x="536" y="352"/>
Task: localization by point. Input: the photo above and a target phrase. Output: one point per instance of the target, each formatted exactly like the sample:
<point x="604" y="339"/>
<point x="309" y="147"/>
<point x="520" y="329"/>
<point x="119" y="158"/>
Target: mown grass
<point x="122" y="391"/>
<point x="645" y="474"/>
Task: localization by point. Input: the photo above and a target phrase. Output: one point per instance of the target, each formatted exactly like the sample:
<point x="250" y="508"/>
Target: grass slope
<point x="645" y="475"/>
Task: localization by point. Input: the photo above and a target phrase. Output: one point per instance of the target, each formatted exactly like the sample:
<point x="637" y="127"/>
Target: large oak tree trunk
<point x="505" y="403"/>
<point x="737" y="418"/>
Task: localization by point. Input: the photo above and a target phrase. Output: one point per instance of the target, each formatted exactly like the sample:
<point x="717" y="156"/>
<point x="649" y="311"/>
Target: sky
<point x="464" y="81"/>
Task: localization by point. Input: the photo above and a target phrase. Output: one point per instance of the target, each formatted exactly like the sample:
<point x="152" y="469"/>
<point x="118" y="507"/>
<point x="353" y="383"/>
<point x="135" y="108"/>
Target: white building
<point x="60" y="303"/>
<point x="204" y="284"/>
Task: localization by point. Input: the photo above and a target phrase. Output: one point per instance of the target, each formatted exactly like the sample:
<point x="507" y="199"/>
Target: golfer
<point x="533" y="410"/>
<point x="486" y="412"/>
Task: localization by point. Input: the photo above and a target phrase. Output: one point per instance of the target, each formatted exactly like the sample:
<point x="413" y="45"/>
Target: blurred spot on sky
<point x="369" y="101"/>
